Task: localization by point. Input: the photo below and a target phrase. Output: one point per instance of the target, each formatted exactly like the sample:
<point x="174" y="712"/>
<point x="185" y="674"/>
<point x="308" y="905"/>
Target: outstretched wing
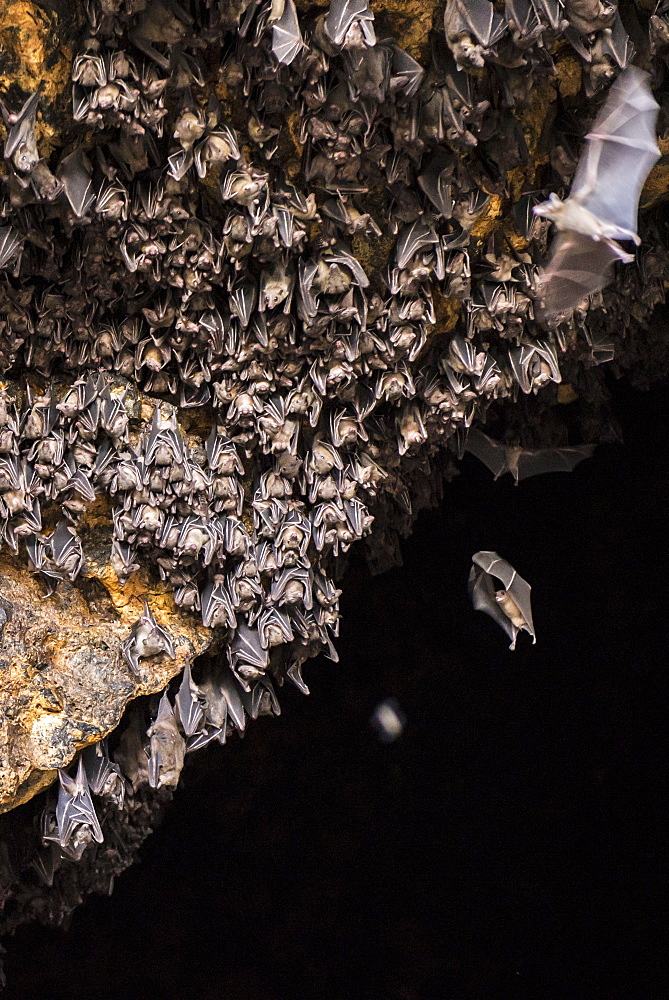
<point x="491" y="453"/>
<point x="519" y="589"/>
<point x="577" y="267"/>
<point x="620" y="153"/>
<point x="536" y="462"/>
<point x="482" y="593"/>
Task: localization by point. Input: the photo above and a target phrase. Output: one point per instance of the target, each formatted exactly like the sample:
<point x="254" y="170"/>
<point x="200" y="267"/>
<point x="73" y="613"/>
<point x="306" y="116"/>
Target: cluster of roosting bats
<point x="178" y="248"/>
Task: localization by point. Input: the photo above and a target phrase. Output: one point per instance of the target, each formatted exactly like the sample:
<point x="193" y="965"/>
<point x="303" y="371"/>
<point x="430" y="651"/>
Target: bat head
<point x="549" y="209"/>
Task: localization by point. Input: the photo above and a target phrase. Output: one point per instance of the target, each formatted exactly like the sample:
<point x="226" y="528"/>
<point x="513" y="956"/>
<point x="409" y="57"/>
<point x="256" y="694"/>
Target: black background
<point x="510" y="843"/>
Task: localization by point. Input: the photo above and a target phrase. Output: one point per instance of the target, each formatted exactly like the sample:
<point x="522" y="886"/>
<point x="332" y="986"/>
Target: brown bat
<point x="523" y="462"/>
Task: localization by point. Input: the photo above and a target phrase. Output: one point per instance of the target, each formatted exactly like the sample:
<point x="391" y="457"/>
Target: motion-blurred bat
<point x="523" y="462"/>
<point x="510" y="607"/>
<point x="603" y="202"/>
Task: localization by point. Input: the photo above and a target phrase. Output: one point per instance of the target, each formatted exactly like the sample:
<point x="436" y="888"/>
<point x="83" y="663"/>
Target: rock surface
<point x="63" y="682"/>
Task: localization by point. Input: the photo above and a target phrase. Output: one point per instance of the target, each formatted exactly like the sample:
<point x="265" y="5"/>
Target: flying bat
<point x="523" y="462"/>
<point x="509" y="607"/>
<point x="603" y="202"/>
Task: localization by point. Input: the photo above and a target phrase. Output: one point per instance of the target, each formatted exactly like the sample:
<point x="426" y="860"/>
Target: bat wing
<point x="536" y="462"/>
<point x="482" y="593"/>
<point x="435" y="181"/>
<point x="414" y="237"/>
<point x="286" y="37"/>
<point x="577" y="267"/>
<point x="75" y="174"/>
<point x="406" y="74"/>
<point x="621" y="151"/>
<point x="189" y="707"/>
<point x="491" y="453"/>
<point x="232" y="694"/>
<point x="484" y="21"/>
<point x="341" y="16"/>
<point x="519" y="589"/>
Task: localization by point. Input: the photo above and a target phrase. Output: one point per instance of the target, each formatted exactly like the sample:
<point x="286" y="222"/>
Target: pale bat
<point x="523" y="462"/>
<point x="510" y="607"/>
<point x="602" y="206"/>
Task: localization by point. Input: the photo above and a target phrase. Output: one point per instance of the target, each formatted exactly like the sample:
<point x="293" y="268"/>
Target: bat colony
<point x="324" y="395"/>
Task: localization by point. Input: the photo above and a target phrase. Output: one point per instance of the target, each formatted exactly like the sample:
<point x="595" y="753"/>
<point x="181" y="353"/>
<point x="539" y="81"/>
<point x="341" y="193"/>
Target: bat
<point x="246" y="654"/>
<point x="147" y="638"/>
<point x="274" y="627"/>
<point x="103" y="775"/>
<point x="74" y="172"/>
<point x="472" y="29"/>
<point x="414" y="237"/>
<point x="66" y="548"/>
<point x="435" y="181"/>
<point x="602" y="206"/>
<point x="76" y="820"/>
<point x="230" y="690"/>
<point x="510" y="607"/>
<point x="167" y="747"/>
<point x="164" y="443"/>
<point x="523" y="462"/>
<point x="217" y="607"/>
<point x="188" y="703"/>
<point x="343" y="18"/>
<point x="10" y="243"/>
<point x="262" y="700"/>
<point x="406" y="75"/>
<point x="21" y="144"/>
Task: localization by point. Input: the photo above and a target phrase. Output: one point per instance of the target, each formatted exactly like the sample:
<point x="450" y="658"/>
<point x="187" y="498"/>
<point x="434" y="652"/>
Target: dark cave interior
<point x="511" y="837"/>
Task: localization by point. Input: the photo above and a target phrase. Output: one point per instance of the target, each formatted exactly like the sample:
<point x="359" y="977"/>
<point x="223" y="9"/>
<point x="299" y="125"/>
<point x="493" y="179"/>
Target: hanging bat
<point x="75" y="174"/>
<point x="523" y="462"/>
<point x="10" y="243"/>
<point x="76" y="820"/>
<point x="350" y="22"/>
<point x="21" y="143"/>
<point x="166" y="747"/>
<point x="66" y="548"/>
<point x="188" y="703"/>
<point x="231" y="691"/>
<point x="103" y="775"/>
<point x="147" y="638"/>
<point x="603" y="202"/>
<point x="510" y="607"/>
<point x="262" y="700"/>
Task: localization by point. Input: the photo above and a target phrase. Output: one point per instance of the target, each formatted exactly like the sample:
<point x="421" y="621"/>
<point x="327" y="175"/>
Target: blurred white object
<point x="388" y="720"/>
